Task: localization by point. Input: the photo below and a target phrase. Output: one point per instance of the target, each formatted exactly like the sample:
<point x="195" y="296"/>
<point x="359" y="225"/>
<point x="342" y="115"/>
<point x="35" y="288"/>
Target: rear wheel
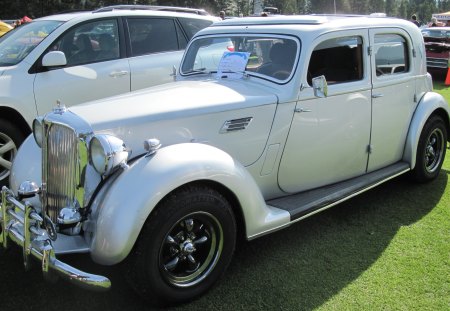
<point x="431" y="150"/>
<point x="11" y="138"/>
<point x="184" y="247"/>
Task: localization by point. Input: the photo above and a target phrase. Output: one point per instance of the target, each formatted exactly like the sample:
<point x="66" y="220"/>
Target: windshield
<point x="268" y="56"/>
<point x="18" y="43"/>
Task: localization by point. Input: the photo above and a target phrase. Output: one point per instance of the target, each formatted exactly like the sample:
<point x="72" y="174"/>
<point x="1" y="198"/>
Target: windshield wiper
<point x="197" y="71"/>
<point x="243" y="73"/>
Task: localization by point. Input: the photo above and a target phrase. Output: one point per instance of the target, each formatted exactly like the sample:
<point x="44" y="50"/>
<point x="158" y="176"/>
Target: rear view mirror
<point x="320" y="86"/>
<point x="54" y="59"/>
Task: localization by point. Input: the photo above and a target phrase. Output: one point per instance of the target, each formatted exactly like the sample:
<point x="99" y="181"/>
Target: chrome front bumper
<point x="20" y="223"/>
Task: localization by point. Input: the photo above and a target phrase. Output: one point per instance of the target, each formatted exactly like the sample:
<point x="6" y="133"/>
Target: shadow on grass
<point x="298" y="268"/>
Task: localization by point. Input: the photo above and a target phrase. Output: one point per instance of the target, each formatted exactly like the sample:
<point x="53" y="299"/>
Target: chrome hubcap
<point x="191" y="249"/>
<point x="433" y="150"/>
<point x="8" y="151"/>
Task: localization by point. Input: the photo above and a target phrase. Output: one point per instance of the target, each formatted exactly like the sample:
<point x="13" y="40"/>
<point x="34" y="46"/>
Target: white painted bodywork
<point x="295" y="141"/>
<point x="32" y="94"/>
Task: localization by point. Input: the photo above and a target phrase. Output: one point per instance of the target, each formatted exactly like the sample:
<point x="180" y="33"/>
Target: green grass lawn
<point x="388" y="249"/>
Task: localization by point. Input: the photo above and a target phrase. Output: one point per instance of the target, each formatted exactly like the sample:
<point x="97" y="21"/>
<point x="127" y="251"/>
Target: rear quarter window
<point x="391" y="54"/>
<point x="191" y="26"/>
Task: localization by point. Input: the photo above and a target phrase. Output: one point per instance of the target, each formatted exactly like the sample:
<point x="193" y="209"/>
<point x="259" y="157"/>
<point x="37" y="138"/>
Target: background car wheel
<point x="431" y="150"/>
<point x="184" y="247"/>
<point x="11" y="138"/>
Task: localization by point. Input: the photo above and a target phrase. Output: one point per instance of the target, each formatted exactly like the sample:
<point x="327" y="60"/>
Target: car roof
<point x="309" y="24"/>
<point x="314" y="20"/>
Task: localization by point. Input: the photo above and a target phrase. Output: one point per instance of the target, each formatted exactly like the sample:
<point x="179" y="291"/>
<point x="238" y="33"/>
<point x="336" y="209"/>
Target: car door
<point x="95" y="67"/>
<point x="394" y="99"/>
<point x="156" y="46"/>
<point x="329" y="136"/>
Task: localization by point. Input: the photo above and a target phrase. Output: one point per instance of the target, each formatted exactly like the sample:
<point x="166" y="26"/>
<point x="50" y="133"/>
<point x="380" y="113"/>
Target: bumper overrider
<point x="20" y="223"/>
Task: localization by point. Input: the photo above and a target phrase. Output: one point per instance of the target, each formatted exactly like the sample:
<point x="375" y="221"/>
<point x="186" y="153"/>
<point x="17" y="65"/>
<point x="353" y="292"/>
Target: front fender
<point x="430" y="103"/>
<point x="124" y="207"/>
<point x="27" y="165"/>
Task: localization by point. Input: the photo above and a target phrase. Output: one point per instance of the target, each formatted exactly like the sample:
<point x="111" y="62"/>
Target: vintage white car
<point x="270" y="121"/>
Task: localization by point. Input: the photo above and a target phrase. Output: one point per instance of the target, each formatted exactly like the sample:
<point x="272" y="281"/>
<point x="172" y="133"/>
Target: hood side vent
<point x="235" y="125"/>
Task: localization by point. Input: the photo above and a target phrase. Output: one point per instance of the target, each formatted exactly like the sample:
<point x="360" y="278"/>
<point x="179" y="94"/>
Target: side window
<point x="338" y="59"/>
<point x="89" y="43"/>
<point x="192" y="26"/>
<point x="391" y="54"/>
<point x="152" y="35"/>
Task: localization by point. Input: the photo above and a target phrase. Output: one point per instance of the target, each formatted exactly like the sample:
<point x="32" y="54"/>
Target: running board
<point x="310" y="202"/>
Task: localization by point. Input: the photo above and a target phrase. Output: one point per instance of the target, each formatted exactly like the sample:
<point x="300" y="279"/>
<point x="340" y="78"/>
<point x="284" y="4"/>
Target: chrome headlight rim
<point x="38" y="131"/>
<point x="107" y="153"/>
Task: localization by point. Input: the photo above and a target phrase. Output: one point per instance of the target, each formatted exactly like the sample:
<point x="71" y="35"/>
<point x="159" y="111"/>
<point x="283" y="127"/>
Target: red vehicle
<point x="437" y="46"/>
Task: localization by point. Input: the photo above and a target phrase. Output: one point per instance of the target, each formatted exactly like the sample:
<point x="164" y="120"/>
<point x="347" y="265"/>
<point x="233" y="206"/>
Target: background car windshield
<point x="436" y="33"/>
<point x="21" y="41"/>
<point x="272" y="57"/>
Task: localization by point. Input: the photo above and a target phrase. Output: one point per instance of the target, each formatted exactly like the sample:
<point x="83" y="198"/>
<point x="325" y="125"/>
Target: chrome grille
<point x="60" y="158"/>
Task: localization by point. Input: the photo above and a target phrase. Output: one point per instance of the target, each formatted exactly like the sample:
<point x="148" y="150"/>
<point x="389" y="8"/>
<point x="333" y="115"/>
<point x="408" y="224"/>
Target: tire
<point x="430" y="150"/>
<point x="11" y="138"/>
<point x="184" y="247"/>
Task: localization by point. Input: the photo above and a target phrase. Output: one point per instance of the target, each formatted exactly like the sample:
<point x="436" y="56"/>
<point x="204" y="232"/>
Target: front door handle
<point x="120" y="73"/>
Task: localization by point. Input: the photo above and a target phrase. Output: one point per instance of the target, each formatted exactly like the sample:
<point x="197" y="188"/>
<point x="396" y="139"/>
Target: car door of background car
<point x="156" y="45"/>
<point x="329" y="136"/>
<point x="94" y="67"/>
<point x="393" y="101"/>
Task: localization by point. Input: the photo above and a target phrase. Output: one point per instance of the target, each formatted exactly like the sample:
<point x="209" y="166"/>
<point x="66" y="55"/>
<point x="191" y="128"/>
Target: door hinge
<point x="369" y="50"/>
<point x="369" y="149"/>
<point x="414" y="52"/>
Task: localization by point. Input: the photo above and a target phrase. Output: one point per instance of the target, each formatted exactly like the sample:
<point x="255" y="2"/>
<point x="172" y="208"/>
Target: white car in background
<point x="78" y="57"/>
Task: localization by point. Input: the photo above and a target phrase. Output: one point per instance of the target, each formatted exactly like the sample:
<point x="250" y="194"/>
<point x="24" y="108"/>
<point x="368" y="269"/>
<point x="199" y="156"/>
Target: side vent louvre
<point x="235" y="125"/>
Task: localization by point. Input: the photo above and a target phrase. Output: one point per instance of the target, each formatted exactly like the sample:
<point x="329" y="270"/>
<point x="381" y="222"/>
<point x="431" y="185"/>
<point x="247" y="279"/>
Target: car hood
<point x="173" y="100"/>
<point x="188" y="111"/>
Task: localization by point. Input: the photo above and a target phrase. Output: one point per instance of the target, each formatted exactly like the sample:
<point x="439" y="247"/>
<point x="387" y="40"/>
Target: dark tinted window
<point x="182" y="41"/>
<point x="90" y="42"/>
<point x="152" y="35"/>
<point x="192" y="26"/>
<point x="339" y="60"/>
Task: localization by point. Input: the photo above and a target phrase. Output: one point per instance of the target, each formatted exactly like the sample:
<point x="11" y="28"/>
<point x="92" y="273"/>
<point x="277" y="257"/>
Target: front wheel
<point x="431" y="150"/>
<point x="10" y="139"/>
<point x="184" y="247"/>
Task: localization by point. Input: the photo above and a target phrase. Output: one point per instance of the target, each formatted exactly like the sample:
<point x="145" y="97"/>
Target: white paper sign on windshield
<point x="232" y="65"/>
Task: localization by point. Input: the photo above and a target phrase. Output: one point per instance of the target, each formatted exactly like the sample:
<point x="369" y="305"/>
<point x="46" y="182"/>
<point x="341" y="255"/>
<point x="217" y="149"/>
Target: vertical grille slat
<point x="59" y="171"/>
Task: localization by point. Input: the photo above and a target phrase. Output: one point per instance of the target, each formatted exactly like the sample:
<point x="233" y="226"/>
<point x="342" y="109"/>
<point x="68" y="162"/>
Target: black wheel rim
<point x="191" y="249"/>
<point x="8" y="151"/>
<point x="434" y="149"/>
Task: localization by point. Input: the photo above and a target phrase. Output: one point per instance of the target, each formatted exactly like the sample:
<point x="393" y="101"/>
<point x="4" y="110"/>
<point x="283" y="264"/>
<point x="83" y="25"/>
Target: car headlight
<point x="107" y="153"/>
<point x="38" y="131"/>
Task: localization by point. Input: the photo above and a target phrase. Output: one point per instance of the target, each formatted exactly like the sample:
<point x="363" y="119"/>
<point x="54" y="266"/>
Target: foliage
<point x="400" y="8"/>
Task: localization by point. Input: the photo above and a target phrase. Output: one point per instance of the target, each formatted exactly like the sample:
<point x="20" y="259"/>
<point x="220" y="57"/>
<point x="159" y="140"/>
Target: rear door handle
<point x="302" y="110"/>
<point x="377" y="95"/>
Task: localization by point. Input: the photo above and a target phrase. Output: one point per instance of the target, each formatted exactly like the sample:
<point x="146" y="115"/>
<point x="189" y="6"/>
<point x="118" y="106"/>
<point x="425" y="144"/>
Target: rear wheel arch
<point x="445" y="117"/>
